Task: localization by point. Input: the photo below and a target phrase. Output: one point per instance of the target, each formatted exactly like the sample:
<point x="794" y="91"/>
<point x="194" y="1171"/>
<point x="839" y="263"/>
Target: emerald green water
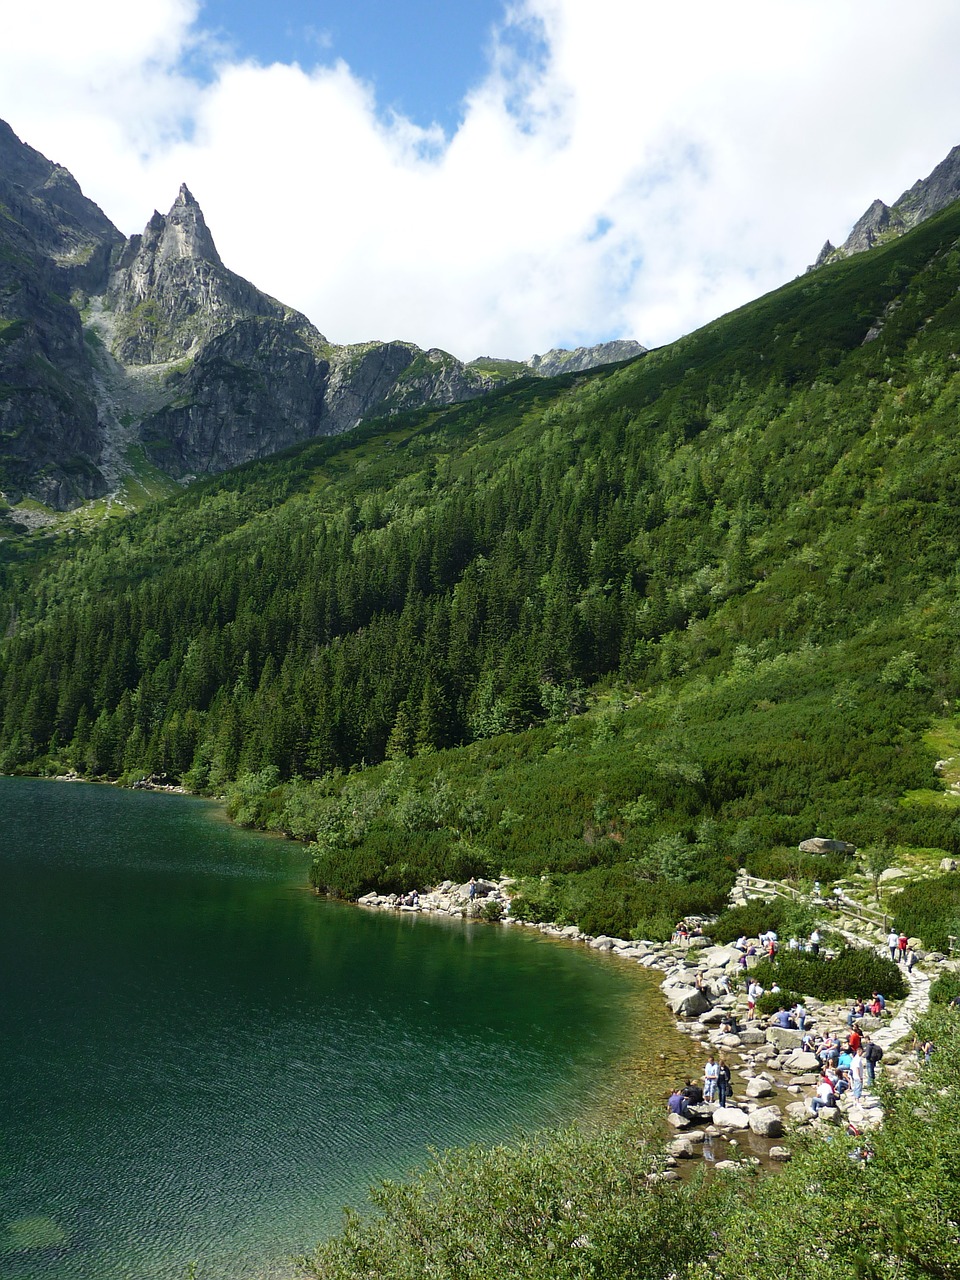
<point x="201" y="1061"/>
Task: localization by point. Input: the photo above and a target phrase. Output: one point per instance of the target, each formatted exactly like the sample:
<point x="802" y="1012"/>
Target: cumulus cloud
<point x="624" y="169"/>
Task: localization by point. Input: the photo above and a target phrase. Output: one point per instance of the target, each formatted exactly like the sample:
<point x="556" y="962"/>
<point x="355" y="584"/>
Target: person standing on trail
<point x="872" y="1053"/>
<point x="754" y="992"/>
<point x="815" y="942"/>
<point x="857" y="1069"/>
<point x="903" y="944"/>
<point x="893" y="941"/>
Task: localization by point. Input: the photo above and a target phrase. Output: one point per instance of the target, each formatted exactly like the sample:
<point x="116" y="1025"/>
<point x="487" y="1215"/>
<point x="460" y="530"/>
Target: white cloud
<point x="627" y="168"/>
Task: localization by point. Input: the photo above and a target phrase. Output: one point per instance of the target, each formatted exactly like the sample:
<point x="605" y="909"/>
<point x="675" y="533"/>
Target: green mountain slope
<point x="737" y="555"/>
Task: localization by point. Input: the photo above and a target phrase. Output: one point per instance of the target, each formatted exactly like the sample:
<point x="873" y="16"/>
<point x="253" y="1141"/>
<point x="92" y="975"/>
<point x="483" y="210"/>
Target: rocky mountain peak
<point x="882" y="222"/>
<point x="171" y="291"/>
<point x="182" y="233"/>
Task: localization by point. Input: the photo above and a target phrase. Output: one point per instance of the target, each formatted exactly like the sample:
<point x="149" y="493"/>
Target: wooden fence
<point x="854" y="910"/>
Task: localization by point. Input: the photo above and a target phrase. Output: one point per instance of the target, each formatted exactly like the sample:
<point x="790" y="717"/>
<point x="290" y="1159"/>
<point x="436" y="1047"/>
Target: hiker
<point x="872" y="1053"/>
<point x="710" y="1073"/>
<point x="823" y="1096"/>
<point x="754" y="992"/>
<point x="723" y="1082"/>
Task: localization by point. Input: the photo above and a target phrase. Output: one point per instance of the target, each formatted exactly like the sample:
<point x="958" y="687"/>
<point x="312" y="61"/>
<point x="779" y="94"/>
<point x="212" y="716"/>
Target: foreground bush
<point x="565" y="1205"/>
<point x="891" y="1217"/>
<point x="575" y="1206"/>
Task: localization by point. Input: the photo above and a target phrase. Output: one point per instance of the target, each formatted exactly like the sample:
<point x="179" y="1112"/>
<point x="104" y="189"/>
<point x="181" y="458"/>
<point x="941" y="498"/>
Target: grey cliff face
<point x="253" y="390"/>
<point x="51" y="239"/>
<point x="883" y="222"/>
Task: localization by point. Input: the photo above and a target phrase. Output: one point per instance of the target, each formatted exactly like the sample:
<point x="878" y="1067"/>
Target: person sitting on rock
<point x="678" y="1105"/>
<point x="829" y="1050"/>
<point x="858" y="1011"/>
<point x="782" y="1018"/>
<point x="823" y="1096"/>
<point x="840" y="1080"/>
<point x="878" y="1005"/>
<point x="692" y="1092"/>
<point x="741" y="942"/>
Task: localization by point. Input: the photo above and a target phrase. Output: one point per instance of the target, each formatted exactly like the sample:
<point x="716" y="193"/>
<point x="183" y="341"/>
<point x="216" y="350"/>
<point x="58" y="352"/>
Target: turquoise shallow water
<point x="201" y="1061"/>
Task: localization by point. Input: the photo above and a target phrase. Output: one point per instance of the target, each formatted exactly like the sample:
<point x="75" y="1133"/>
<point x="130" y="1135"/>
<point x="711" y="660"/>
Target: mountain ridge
<point x="882" y="222"/>
<point x="113" y="347"/>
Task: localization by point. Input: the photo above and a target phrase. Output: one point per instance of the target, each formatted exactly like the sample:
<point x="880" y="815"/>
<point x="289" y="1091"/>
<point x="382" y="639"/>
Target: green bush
<point x="774" y="1001"/>
<point x="853" y="972"/>
<point x="791" y="864"/>
<point x="930" y="909"/>
<point x="752" y="919"/>
<point x="561" y="1206"/>
<point x="945" y="989"/>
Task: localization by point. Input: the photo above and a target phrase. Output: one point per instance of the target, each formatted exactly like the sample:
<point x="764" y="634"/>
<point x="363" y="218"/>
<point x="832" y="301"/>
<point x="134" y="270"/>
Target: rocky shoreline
<point x="772" y="1077"/>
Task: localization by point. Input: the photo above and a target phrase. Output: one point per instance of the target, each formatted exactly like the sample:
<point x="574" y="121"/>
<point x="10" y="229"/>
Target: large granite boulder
<point x="801" y="1062"/>
<point x="767" y="1122"/>
<point x="819" y="845"/>
<point x="758" y="1087"/>
<point x="784" y="1037"/>
<point x="731" y="1118"/>
<point x="687" y="1002"/>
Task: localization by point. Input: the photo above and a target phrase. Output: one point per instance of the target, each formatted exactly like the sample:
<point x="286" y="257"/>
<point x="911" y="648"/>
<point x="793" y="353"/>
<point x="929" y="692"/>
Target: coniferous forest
<point x="618" y="633"/>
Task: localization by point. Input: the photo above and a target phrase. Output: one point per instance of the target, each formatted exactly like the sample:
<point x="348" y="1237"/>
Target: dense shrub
<point x="791" y="864"/>
<point x="853" y="972"/>
<point x="773" y="1001"/>
<point x="930" y="910"/>
<point x="390" y="861"/>
<point x="752" y="919"/>
<point x="945" y="989"/>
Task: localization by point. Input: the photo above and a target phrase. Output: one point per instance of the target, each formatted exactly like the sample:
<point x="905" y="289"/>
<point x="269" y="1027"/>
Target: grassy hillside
<point x="624" y="630"/>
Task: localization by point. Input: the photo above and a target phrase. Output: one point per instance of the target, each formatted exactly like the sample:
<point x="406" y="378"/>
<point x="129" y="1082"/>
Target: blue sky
<point x="422" y="55"/>
<point x="494" y="179"/>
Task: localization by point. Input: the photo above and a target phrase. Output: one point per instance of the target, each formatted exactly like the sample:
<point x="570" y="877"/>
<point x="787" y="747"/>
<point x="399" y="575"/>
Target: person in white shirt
<point x="856" y="1073"/>
<point x="711" y="1073"/>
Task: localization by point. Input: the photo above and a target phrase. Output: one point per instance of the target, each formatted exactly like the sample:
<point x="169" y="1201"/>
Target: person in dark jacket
<point x="872" y="1053"/>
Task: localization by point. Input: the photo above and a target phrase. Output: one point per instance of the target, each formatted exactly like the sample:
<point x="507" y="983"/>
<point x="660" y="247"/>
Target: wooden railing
<point x="879" y="919"/>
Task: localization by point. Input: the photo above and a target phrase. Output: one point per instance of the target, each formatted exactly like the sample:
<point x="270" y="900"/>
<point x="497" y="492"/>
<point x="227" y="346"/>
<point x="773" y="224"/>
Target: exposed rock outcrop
<point x="882" y="222"/>
<point x="580" y="359"/>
